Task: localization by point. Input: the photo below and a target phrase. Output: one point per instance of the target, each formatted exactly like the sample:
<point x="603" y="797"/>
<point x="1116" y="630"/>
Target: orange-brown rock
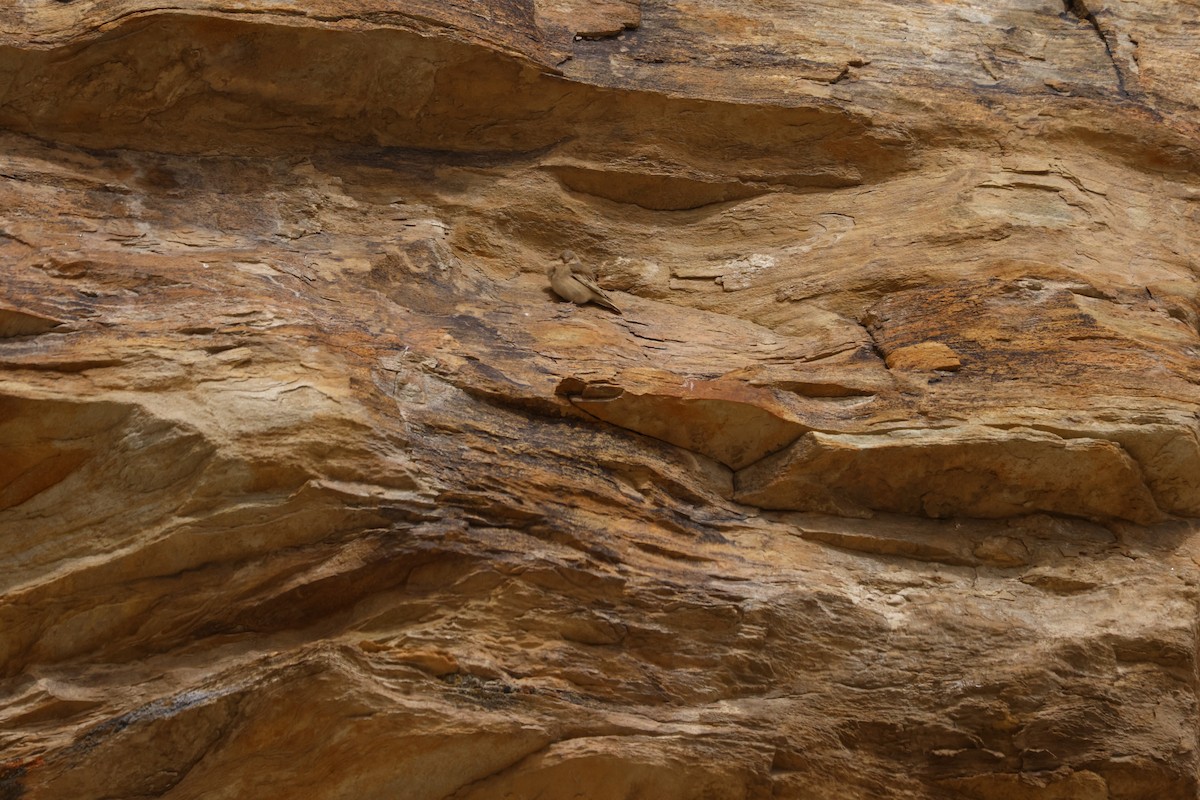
<point x="884" y="485"/>
<point x="924" y="356"/>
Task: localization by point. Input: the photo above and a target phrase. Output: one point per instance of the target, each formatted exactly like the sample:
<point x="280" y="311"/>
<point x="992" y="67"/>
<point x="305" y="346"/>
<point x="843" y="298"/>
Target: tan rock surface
<point x="884" y="486"/>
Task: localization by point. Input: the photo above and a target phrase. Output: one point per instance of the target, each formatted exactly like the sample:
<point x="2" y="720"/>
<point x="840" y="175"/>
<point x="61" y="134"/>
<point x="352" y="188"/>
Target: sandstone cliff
<point x="884" y="485"/>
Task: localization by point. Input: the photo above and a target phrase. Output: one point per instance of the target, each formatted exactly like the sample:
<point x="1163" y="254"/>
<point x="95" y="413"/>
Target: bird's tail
<point x="609" y="304"/>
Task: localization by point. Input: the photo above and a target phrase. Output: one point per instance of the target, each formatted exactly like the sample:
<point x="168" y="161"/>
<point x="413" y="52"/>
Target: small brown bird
<point x="571" y="280"/>
<point x="571" y="260"/>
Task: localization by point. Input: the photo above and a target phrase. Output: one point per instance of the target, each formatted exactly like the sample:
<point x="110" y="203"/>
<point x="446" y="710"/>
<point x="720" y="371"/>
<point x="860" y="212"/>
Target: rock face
<point x="884" y="485"/>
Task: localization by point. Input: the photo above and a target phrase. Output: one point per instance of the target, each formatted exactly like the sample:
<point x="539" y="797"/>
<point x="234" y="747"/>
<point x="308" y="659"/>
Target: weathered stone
<point x="964" y="472"/>
<point x="590" y="19"/>
<point x="884" y="485"/>
<point x="924" y="356"/>
<point x="734" y="423"/>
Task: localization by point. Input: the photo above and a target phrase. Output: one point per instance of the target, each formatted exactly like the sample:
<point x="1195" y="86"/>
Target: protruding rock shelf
<point x="963" y="472"/>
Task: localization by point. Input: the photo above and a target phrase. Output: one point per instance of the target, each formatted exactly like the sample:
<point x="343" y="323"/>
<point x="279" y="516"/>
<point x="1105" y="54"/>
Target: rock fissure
<point x="1080" y="10"/>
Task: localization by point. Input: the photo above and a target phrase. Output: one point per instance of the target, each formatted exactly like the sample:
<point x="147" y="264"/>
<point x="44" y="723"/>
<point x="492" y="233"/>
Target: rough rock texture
<point x="884" y="485"/>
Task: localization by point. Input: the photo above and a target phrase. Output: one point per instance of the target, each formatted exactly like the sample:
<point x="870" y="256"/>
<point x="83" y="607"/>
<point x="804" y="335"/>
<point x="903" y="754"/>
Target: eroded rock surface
<point x="884" y="484"/>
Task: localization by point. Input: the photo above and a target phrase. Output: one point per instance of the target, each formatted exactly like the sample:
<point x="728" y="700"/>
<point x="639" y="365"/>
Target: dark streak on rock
<point x="1079" y="8"/>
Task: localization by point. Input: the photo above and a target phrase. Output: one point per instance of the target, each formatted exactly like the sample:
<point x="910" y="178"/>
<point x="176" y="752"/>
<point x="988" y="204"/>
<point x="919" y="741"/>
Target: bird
<point x="571" y="260"/>
<point x="571" y="280"/>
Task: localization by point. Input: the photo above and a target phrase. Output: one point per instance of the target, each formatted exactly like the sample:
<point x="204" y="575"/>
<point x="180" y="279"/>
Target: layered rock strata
<point x="884" y="484"/>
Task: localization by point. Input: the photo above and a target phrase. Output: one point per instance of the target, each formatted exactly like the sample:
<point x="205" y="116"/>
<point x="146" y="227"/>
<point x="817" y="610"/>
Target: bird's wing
<point x="578" y="268"/>
<point x="587" y="281"/>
